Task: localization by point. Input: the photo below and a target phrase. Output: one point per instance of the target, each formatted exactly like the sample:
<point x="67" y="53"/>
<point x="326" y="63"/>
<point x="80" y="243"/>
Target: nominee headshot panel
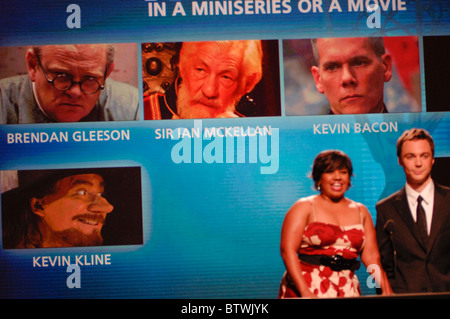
<point x="327" y="76"/>
<point x="69" y="83"/>
<point x="71" y="207"/>
<point x="211" y="79"/>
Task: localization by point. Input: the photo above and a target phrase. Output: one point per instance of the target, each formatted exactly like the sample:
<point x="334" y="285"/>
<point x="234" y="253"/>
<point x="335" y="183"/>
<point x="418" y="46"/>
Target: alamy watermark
<point x="225" y="145"/>
<point x="74" y="279"/>
<point x="373" y="280"/>
<point x="374" y="19"/>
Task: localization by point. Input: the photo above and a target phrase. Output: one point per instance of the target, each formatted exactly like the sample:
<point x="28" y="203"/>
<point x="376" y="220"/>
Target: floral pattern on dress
<point x="327" y="239"/>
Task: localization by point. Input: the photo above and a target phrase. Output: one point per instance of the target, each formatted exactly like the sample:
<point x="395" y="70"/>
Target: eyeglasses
<point x="64" y="82"/>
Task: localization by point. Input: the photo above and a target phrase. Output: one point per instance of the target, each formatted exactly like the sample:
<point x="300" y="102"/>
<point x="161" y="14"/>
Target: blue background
<point x="210" y="230"/>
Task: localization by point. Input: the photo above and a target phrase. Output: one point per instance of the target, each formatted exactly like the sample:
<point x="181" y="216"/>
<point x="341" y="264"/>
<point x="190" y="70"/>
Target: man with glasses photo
<point x="67" y="83"/>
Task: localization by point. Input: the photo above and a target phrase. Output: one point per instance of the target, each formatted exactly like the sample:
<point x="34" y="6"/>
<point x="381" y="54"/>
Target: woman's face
<point x="334" y="184"/>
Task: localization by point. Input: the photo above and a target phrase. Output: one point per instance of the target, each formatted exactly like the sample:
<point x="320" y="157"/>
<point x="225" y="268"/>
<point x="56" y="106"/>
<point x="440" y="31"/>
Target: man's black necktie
<point x="421" y="220"/>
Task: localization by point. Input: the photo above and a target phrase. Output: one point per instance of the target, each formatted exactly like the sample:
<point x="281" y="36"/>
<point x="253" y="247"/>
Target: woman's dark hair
<point x="329" y="161"/>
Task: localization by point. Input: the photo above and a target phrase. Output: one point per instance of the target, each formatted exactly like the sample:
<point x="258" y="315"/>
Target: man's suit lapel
<point x="402" y="207"/>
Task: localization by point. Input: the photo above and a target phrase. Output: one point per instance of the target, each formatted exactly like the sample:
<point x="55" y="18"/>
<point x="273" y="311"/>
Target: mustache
<point x="212" y="103"/>
<point x="199" y="98"/>
<point x="93" y="217"/>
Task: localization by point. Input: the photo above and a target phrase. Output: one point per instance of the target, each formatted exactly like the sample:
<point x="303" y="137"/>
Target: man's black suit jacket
<point x="416" y="267"/>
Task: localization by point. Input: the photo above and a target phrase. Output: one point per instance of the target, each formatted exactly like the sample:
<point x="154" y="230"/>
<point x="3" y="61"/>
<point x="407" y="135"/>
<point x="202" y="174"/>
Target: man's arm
<point x="385" y="244"/>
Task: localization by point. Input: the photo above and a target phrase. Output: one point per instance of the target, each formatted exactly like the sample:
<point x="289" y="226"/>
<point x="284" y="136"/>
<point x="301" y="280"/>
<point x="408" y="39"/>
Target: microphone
<point x="389" y="228"/>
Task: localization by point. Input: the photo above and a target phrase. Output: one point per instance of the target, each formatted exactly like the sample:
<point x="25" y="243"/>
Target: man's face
<point x="417" y="161"/>
<point x="211" y="80"/>
<point x="75" y="213"/>
<point x="78" y="62"/>
<point x="351" y="75"/>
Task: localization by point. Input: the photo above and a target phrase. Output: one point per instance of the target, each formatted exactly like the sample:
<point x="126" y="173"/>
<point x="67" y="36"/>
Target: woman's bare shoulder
<point x="302" y="205"/>
<point x="360" y="207"/>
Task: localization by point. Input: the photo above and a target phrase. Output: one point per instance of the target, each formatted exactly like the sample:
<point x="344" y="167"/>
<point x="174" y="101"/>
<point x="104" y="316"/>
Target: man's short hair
<point x="414" y="134"/>
<point x="109" y="48"/>
<point x="376" y="43"/>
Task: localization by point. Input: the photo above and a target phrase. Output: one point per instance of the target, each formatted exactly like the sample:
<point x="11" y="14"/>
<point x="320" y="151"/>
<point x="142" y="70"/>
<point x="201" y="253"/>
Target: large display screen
<point x="192" y="157"/>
